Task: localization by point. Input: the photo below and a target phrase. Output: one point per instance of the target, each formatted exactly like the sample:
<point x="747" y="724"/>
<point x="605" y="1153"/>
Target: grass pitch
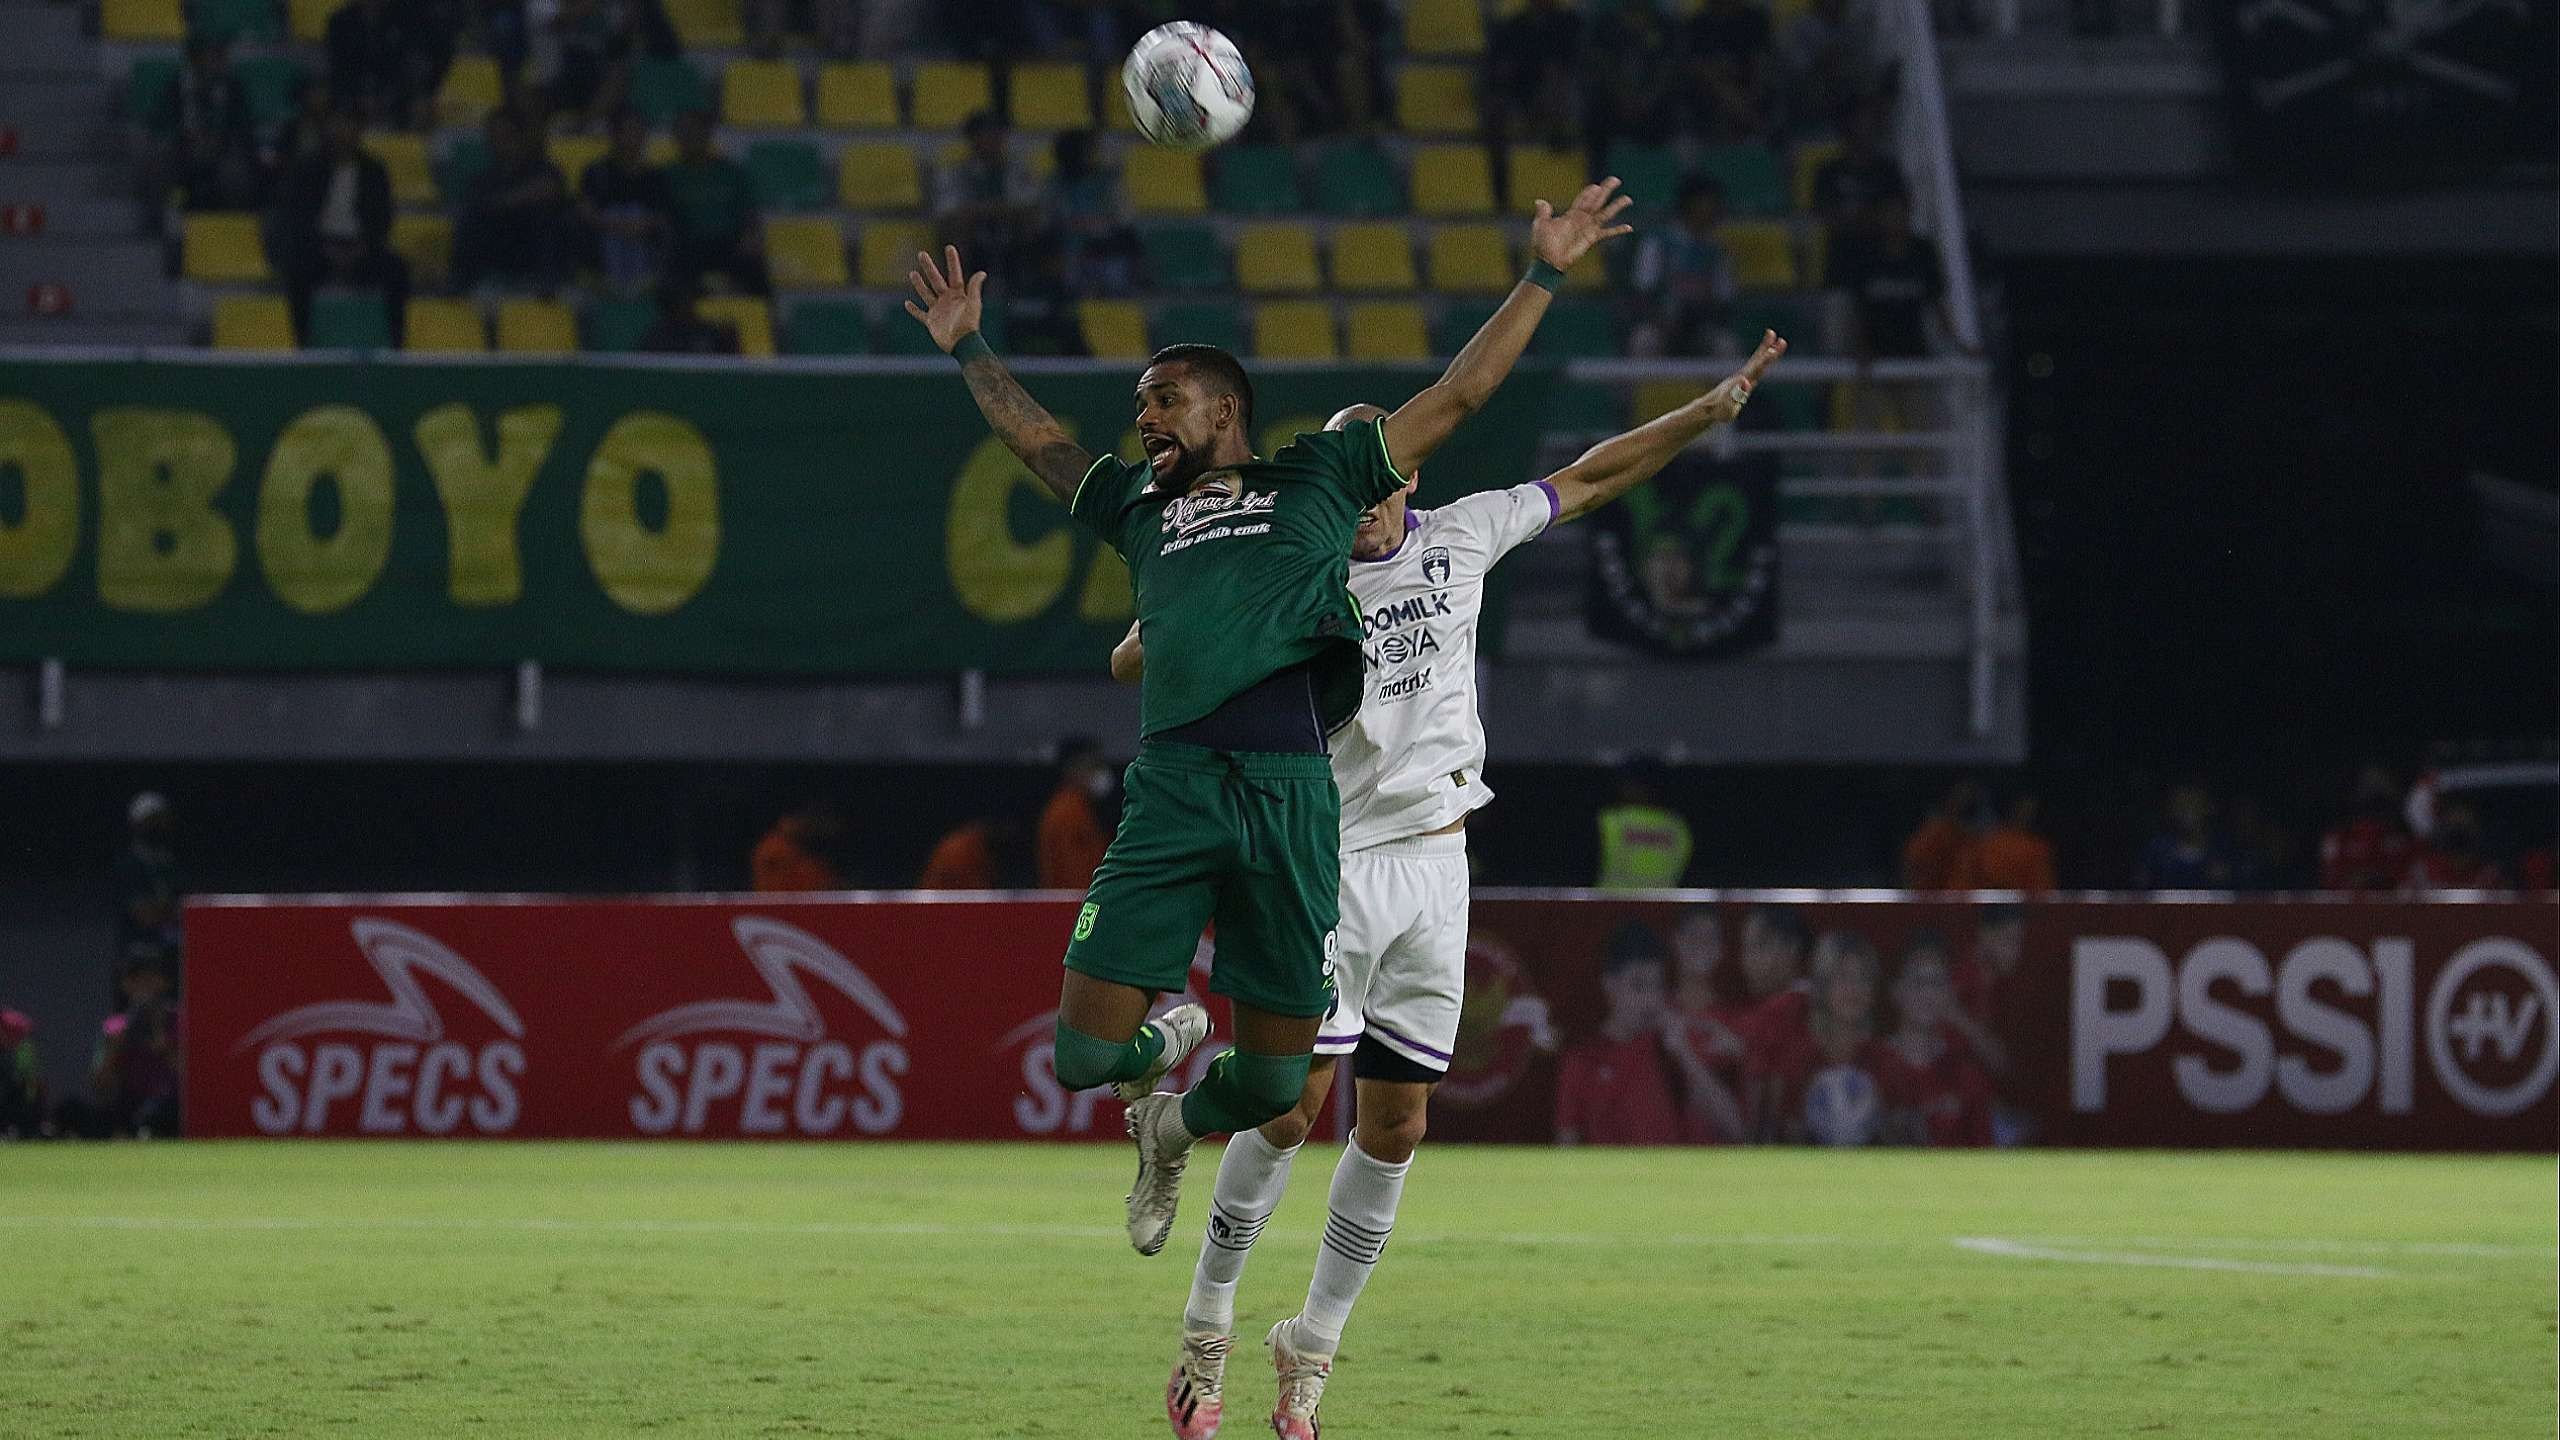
<point x="883" y="1290"/>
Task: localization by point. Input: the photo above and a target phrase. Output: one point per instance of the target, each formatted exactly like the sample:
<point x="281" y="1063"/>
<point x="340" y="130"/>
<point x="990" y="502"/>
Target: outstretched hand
<point x="1725" y="402"/>
<point x="952" y="308"/>
<point x="1561" y="239"/>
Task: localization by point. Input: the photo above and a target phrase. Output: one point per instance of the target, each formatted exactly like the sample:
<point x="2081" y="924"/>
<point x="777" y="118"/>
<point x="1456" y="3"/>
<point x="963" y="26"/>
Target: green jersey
<point x="1249" y="573"/>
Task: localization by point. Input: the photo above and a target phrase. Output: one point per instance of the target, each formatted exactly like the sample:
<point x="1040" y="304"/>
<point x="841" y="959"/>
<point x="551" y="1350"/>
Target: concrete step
<point x="83" y="217"/>
<point x="105" y="277"/>
<point x="81" y="137"/>
<point x="77" y="329"/>
<point x="32" y="99"/>
<point x="50" y="180"/>
<point x="37" y="32"/>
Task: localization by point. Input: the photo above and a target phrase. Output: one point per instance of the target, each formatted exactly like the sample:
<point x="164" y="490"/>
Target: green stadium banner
<point x="741" y="521"/>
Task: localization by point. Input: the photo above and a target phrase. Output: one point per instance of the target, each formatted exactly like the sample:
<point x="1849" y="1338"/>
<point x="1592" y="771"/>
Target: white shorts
<point x="1401" y="971"/>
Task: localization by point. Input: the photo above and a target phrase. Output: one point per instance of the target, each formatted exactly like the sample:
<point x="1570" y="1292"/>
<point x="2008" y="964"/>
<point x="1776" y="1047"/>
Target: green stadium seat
<point x="827" y="327"/>
<point x="255" y="20"/>
<point x="1458" y="323"/>
<point x="273" y="84"/>
<point x="1357" y="180"/>
<point x="1753" y="184"/>
<point x="1585" y="407"/>
<point x="1784" y="314"/>
<point x="664" y="89"/>
<point x="1200" y="324"/>
<point x="618" y="326"/>
<point x="350" y="322"/>
<point x="788" y="175"/>
<point x="1652" y="176"/>
<point x="462" y="162"/>
<point x="145" y="83"/>
<point x="1185" y="257"/>
<point x="1577" y="329"/>
<point x="1256" y="180"/>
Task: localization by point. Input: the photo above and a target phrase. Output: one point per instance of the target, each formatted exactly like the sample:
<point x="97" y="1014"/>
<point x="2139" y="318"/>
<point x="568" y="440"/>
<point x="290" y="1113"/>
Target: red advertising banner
<point x="1788" y="1016"/>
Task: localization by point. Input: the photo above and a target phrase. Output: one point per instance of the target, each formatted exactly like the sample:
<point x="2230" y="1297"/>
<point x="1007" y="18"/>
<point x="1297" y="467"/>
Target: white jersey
<point x="1412" y="760"/>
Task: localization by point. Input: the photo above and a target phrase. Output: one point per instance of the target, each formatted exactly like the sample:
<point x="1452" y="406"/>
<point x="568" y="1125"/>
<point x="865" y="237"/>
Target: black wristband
<point x="1543" y="275"/>
<point x="971" y="346"/>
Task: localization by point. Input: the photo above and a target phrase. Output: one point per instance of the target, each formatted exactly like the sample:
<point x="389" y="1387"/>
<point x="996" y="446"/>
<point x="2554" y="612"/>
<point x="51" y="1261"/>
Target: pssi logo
<point x="413" y="1077"/>
<point x="799" y="1079"/>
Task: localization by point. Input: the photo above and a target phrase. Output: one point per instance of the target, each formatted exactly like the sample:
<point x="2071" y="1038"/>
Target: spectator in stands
<point x="987" y="204"/>
<point x="332" y="226"/>
<point x="2370" y="850"/>
<point x="1638" y="96"/>
<point x="1712" y="1001"/>
<point x="1839" y="1033"/>
<point x="2187" y="853"/>
<point x="2262" y="850"/>
<point x="151" y="891"/>
<point x="1090" y="220"/>
<point x="22" y="1107"/>
<point x="798" y="853"/>
<point x="1072" y="836"/>
<point x="386" y="61"/>
<point x="200" y="153"/>
<point x="1533" y="82"/>
<point x="1776" y="998"/>
<point x="1894" y="283"/>
<point x="134" y="1074"/>
<point x="1684" y="280"/>
<point x="578" y="54"/>
<point x="836" y="25"/>
<point x="628" y="206"/>
<point x="1982" y="980"/>
<point x="978" y="855"/>
<point x="1936" y="1087"/>
<point x="718" y="230"/>
<point x="2453" y="857"/>
<point x="1616" y="1087"/>
<point x="1847" y="186"/>
<point x="513" y="225"/>
<point x="1935" y="852"/>
<point x="678" y="326"/>
<point x="1827" y="63"/>
<point x="1644" y="844"/>
<point x="2011" y="855"/>
<point x="1733" y="68"/>
<point x="1318" y="65"/>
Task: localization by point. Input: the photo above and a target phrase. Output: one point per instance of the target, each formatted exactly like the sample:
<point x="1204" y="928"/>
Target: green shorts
<point x="1251" y="841"/>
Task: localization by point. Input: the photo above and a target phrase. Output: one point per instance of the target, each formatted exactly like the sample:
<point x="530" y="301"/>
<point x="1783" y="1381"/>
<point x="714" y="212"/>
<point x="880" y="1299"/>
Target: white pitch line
<point x="2455" y="1248"/>
<point x="1994" y="1245"/>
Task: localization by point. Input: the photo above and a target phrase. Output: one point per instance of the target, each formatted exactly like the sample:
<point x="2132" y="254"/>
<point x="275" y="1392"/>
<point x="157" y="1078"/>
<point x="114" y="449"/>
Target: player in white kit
<point x="1410" y="768"/>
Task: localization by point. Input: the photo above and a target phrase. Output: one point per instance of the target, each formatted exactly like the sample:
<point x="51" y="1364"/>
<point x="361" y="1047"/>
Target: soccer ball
<point x="1841" y="1106"/>
<point x="1188" y="86"/>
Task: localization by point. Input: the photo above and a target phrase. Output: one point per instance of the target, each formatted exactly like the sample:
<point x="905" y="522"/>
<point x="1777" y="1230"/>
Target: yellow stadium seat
<point x="472" y="88"/>
<point x="1388" y="330"/>
<point x="1811" y="156"/>
<point x="1164" y="182"/>
<point x="444" y="327"/>
<point x="404" y="156"/>
<point x="762" y="95"/>
<point x="1373" y="255"/>
<point x="537" y="327"/>
<point x="1657" y="398"/>
<point x="950" y="91"/>
<point x="163" y="20"/>
<point x="1555" y="176"/>
<point x="1764" y="256"/>
<point x="858" y="95"/>
<point x="1452" y="180"/>
<point x="805" y="252"/>
<point x="752" y="318"/>
<point x="1295" y="330"/>
<point x="252" y="322"/>
<point x="889" y="251"/>
<point x="223" y="247"/>
<point x="572" y="154"/>
<point x="1471" y="259"/>
<point x="1437" y="100"/>
<point x="1051" y="97"/>
<point x="426" y="242"/>
<point x="1115" y="106"/>
<point x="880" y="176"/>
<point x="708" y="24"/>
<point x="310" y="18"/>
<point x="1277" y="257"/>
<point x="1444" y="27"/>
<point x="1114" y="329"/>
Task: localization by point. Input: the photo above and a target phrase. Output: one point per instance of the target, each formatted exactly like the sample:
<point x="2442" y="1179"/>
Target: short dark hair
<point x="1219" y="366"/>
<point x="1781" y="918"/>
<point x="1633" y="943"/>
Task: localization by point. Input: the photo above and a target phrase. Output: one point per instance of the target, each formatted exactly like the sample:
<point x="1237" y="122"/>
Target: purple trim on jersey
<point x="1412" y="522"/>
<point x="1440" y="1055"/>
<point x="1555" y="506"/>
<point x="1338" y="1039"/>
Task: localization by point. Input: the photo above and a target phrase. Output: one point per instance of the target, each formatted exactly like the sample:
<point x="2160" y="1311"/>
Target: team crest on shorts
<point x="1435" y="564"/>
<point x="1085" y="918"/>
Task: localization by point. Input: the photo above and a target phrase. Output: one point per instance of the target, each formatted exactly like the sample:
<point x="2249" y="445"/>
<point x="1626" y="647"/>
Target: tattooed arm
<point x="950" y="313"/>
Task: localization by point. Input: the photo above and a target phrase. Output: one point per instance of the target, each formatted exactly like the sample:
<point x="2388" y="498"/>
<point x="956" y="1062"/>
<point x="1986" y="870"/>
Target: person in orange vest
<point x="797" y="853"/>
<point x="974" y="856"/>
<point x="1935" y="851"/>
<point x="1071" y="838"/>
<point x="2011" y="855"/>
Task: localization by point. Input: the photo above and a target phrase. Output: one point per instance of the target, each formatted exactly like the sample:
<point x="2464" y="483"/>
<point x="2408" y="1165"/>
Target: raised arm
<point x="1421" y="424"/>
<point x="1622" y="462"/>
<point x="950" y="314"/>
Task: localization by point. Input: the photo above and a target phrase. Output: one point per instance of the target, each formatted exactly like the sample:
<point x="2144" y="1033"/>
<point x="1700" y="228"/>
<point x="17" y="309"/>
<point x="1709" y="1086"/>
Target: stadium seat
<point x="1051" y="97"/>
<point x="1115" y="107"/>
<point x="762" y="95"/>
<point x="353" y="321"/>
<point x="1585" y="408"/>
<point x="1387" y="330"/>
<point x="1201" y="324"/>
<point x="901" y="335"/>
<point x="426" y="242"/>
<point x="1657" y="398"/>
<point x="537" y="327"/>
<point x="1576" y="329"/>
<point x="949" y="92"/>
<point x="404" y="156"/>
<point x="858" y="95"/>
<point x="463" y="160"/>
<point x="708" y="24"/>
<point x="1752" y="184"/>
<point x="1185" y="257"/>
<point x="273" y="85"/>
<point x="472" y="88"/>
<point x="664" y="89"/>
<point x="311" y="18"/>
<point x="617" y="326"/>
<point x="748" y="315"/>
<point x="223" y="248"/>
<point x="236" y="20"/>
<point x="1373" y="255"/>
<point x="827" y="327"/>
<point x="805" y="252"/>
<point x="1811" y="156"/>
<point x="574" y="153"/>
<point x="144" y="83"/>
<point x="1452" y="180"/>
<point x="1458" y="323"/>
<point x="1444" y="27"/>
<point x="1764" y="258"/>
<point x="1113" y="329"/>
<point x="1651" y="176"/>
<point x="1437" y="100"/>
<point x="1355" y="179"/>
<point x="444" y="327"/>
<point x="788" y="175"/>
<point x="1278" y="257"/>
<point x="1535" y="173"/>
<point x="879" y="176"/>
<point x="1295" y="330"/>
<point x="1470" y="259"/>
<point x="162" y="21"/>
<point x="1164" y="182"/>
<point x="889" y="251"/>
<point x="252" y="322"/>
<point x="1782" y="313"/>
<point x="1256" y="180"/>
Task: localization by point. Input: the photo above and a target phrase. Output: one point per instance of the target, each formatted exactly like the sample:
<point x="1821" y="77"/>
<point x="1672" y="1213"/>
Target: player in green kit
<point x="1253" y="657"/>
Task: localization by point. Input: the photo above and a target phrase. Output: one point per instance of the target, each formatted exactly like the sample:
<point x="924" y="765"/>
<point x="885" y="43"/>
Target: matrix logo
<point x="799" y="1080"/>
<point x="414" y="1076"/>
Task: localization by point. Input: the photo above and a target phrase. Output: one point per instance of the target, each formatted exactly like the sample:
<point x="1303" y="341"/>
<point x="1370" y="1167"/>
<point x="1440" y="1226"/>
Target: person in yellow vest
<point x="1644" y="845"/>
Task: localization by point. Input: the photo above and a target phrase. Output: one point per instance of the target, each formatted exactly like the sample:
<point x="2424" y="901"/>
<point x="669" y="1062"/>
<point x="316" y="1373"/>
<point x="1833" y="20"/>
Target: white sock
<point x="1363" y="1214"/>
<point x="1251" y="1176"/>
